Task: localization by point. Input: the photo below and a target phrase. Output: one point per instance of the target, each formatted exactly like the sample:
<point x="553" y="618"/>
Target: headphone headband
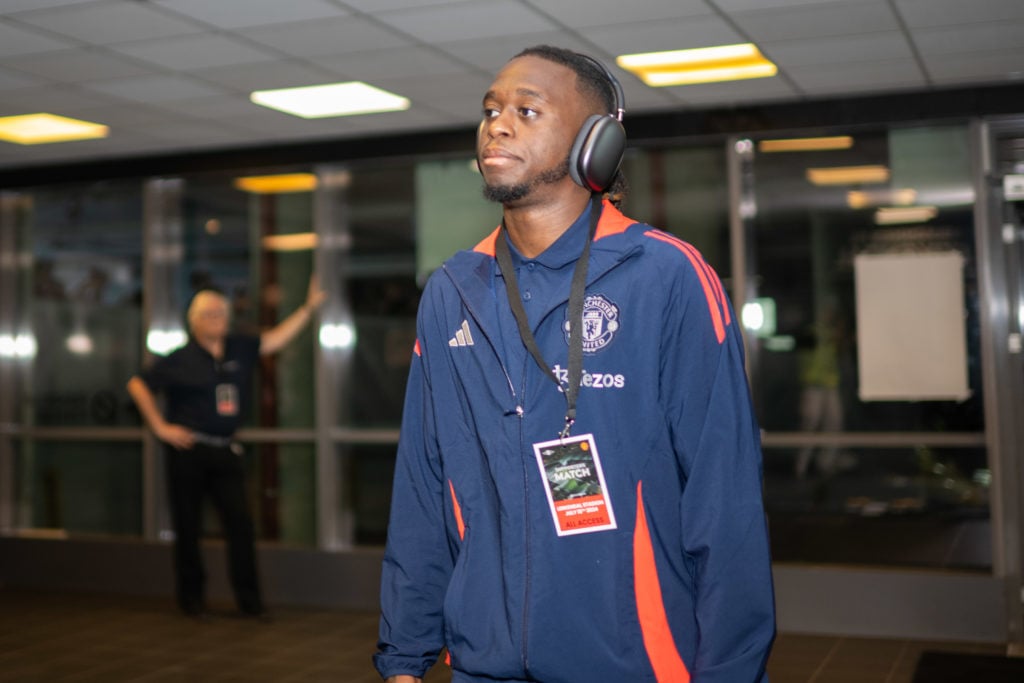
<point x="597" y="151"/>
<point x="618" y="109"/>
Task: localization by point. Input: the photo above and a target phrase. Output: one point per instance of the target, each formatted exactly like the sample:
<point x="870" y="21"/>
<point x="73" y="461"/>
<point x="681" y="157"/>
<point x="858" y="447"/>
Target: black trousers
<point x="216" y="472"/>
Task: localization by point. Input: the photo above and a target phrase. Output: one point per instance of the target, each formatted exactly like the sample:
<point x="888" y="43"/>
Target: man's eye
<point x="490" y="113"/>
<point x="527" y="112"/>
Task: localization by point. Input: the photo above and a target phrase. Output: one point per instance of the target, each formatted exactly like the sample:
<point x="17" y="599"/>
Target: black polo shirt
<point x="204" y="394"/>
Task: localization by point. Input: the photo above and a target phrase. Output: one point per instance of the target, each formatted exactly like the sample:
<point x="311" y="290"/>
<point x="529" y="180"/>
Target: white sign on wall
<point x="911" y="327"/>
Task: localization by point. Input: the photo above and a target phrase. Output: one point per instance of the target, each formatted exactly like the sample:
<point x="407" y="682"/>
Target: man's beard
<point x="507" y="194"/>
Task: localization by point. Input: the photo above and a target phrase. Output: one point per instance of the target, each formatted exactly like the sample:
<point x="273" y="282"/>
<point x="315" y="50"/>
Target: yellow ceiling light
<point x="806" y="144"/>
<point x="898" y="215"/>
<point x="298" y="241"/>
<point x="863" y="199"/>
<point x="699" y="65"/>
<point x="281" y="183"/>
<point x="848" y="175"/>
<point x="39" y="129"/>
<point x="333" y="99"/>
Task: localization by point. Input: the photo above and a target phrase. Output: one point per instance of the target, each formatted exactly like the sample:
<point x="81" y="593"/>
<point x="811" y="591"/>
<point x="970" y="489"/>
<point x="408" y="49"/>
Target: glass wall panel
<point x="383" y="293"/>
<point x="685" y="191"/>
<point x="282" y="490"/>
<point x="79" y="487"/>
<point x="255" y="244"/>
<point x="84" y="299"/>
<point x="75" y="307"/>
<point x="864" y="273"/>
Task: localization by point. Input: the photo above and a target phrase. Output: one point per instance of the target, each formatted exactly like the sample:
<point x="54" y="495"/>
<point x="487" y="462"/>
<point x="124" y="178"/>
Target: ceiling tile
<point x="153" y="88"/>
<point x="264" y="76"/>
<point x="734" y="92"/>
<point x="14" y="6"/>
<point x="326" y="37"/>
<point x="656" y="36"/>
<point x="871" y="47"/>
<point x="816" y="22"/>
<point x="218" y="107"/>
<point x="611" y="12"/>
<point x="106" y="23"/>
<point x="417" y="118"/>
<point x="378" y="6"/>
<point x="490" y="54"/>
<point x="460" y="100"/>
<point x="991" y="66"/>
<point x="817" y="79"/>
<point x="972" y="38"/>
<point x="72" y="66"/>
<point x="480" y="19"/>
<point x="739" y="5"/>
<point x="396" y="63"/>
<point x="185" y="53"/>
<point x="48" y="99"/>
<point x="18" y="40"/>
<point x="9" y="80"/>
<point x="245" y="13"/>
<point x="195" y="132"/>
<point x="139" y="117"/>
<point x="919" y="13"/>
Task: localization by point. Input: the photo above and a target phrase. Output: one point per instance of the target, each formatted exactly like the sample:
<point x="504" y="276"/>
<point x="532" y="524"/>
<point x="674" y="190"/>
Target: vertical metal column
<point x="9" y="363"/>
<point x="999" y="263"/>
<point x="742" y="210"/>
<point x="334" y="356"/>
<point x="163" y="251"/>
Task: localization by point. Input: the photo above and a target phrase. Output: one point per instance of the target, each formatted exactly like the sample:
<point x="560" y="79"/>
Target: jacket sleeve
<point x="717" y="441"/>
<point x="417" y="559"/>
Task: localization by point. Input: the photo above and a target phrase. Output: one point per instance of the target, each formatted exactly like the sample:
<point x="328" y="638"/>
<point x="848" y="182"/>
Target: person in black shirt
<point x="203" y="384"/>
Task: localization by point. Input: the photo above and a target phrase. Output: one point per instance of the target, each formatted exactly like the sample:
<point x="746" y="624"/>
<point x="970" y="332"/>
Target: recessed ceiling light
<point x="296" y="241"/>
<point x="806" y="144"/>
<point x="42" y="128"/>
<point x="699" y="65"/>
<point x="280" y="183"/>
<point x="333" y="99"/>
<point x="848" y="175"/>
<point x="862" y="199"/>
<point x="898" y="215"/>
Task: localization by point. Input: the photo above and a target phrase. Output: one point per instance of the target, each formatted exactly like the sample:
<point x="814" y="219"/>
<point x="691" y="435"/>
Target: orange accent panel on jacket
<point x="661" y="648"/>
<point x="458" y="512"/>
<point x="709" y="290"/>
<point x="612" y="222"/>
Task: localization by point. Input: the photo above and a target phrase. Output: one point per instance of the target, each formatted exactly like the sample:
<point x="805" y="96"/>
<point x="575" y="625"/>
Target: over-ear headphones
<point x="597" y="151"/>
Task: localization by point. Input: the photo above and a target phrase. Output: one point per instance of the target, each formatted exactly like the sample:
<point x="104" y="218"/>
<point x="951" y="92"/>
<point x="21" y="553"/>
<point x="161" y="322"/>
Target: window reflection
<point x="834" y="496"/>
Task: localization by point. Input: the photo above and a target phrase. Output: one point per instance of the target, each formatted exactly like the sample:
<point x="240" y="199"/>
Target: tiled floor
<point x="47" y="638"/>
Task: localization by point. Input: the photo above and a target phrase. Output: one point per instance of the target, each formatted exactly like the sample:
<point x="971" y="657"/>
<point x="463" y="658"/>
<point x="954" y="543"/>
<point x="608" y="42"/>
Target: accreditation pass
<point x="574" y="483"/>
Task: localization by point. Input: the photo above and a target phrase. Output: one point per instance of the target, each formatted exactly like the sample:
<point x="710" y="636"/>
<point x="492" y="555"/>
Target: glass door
<point x="1000" y="210"/>
<point x="860" y="288"/>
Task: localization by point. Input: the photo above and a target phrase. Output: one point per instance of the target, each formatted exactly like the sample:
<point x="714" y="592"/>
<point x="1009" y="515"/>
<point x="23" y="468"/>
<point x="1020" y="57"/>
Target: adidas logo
<point x="462" y="336"/>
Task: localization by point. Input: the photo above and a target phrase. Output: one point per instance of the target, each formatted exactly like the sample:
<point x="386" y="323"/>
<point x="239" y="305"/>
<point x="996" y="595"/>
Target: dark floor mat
<point x="959" y="667"/>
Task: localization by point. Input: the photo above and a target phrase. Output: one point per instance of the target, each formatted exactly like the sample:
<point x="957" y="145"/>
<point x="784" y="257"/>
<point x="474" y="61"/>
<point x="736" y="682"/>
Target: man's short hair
<point x="591" y="82"/>
<point x="199" y="301"/>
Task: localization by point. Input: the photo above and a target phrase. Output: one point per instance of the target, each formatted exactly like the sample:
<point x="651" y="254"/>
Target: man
<point x="607" y="529"/>
<point x="204" y="383"/>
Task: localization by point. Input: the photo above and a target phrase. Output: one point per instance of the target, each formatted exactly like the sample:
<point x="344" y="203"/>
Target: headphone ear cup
<point x="597" y="152"/>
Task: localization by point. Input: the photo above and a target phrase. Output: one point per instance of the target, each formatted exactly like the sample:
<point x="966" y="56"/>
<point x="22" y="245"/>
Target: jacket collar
<point x="473" y="272"/>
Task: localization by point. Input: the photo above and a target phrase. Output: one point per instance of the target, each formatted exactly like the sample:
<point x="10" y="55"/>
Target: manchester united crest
<point x="600" y="322"/>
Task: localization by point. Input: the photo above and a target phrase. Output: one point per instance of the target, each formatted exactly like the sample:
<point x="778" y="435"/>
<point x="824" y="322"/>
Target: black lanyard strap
<point x="571" y="388"/>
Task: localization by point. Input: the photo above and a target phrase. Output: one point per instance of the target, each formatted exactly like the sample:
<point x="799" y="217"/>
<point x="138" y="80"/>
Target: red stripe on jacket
<point x="661" y="647"/>
<point x="708" y="279"/>
<point x="457" y="509"/>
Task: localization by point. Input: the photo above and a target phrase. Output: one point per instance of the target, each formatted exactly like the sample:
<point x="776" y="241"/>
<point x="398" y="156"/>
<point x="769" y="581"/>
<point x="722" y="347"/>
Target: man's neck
<point x="534" y="228"/>
<point x="213" y="345"/>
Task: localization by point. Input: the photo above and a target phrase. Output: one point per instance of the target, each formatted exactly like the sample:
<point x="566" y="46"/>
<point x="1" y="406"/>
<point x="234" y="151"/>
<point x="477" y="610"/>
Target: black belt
<point x="212" y="440"/>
